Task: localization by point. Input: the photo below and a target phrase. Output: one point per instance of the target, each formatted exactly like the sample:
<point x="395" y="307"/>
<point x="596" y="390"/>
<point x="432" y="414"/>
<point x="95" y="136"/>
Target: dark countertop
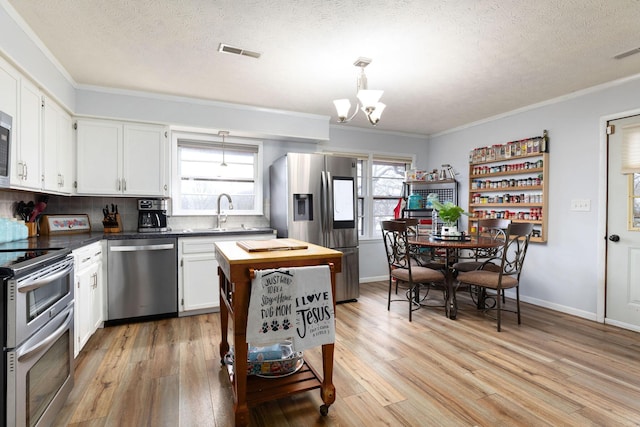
<point x="77" y="240"/>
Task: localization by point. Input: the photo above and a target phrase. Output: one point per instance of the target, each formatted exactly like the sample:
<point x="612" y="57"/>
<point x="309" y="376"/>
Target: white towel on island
<point x="271" y="314"/>
<point x="292" y="303"/>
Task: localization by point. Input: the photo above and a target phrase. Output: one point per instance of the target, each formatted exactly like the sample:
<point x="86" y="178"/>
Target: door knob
<point x="614" y="238"/>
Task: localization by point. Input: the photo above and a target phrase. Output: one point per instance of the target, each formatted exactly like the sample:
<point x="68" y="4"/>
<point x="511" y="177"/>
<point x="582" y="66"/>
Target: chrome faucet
<point x="230" y="207"/>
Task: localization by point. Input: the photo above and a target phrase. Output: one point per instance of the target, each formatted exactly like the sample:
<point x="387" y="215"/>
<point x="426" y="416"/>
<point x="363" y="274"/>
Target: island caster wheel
<point x="324" y="410"/>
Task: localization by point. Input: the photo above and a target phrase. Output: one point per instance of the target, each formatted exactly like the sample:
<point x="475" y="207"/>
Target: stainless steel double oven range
<point x="37" y="330"/>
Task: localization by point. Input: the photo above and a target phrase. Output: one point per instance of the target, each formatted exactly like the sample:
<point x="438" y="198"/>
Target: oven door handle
<point x="31" y="351"/>
<point x="46" y="279"/>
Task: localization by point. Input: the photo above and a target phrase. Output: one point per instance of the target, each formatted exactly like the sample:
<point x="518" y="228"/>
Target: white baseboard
<point x="557" y="307"/>
<point x="622" y="325"/>
<point x="374" y="279"/>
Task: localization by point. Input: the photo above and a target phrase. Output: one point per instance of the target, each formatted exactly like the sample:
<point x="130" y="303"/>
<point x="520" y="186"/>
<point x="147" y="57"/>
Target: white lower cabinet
<point x="88" y="280"/>
<point x="198" y="290"/>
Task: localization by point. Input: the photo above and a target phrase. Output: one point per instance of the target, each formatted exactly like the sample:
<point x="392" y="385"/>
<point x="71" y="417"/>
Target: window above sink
<point x="200" y="176"/>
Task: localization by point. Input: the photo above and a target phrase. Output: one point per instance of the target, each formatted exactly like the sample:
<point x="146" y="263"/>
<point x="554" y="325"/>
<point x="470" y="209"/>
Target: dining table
<point x="451" y="246"/>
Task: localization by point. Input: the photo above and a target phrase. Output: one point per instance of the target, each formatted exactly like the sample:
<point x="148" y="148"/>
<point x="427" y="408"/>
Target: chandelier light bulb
<point x="374" y="117"/>
<point x="342" y="107"/>
<point x="369" y="98"/>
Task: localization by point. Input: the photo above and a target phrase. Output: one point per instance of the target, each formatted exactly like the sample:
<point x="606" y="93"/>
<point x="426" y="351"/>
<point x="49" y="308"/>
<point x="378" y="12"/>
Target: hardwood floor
<point x="554" y="369"/>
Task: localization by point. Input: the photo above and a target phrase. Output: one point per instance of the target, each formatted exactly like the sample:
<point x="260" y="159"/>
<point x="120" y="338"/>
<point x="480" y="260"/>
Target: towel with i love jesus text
<point x="292" y="303"/>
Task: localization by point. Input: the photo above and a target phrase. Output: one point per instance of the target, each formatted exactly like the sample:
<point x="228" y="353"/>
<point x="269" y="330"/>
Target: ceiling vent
<point x="225" y="48"/>
<point x="627" y="53"/>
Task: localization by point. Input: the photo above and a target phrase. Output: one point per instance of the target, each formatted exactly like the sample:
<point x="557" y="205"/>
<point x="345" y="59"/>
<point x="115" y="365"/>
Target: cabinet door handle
<point x="119" y="185"/>
<point x="124" y="185"/>
<point x="26" y="171"/>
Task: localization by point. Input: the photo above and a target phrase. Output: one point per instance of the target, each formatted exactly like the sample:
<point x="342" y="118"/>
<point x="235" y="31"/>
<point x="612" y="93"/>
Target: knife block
<point x="32" y="229"/>
<point x="114" y="225"/>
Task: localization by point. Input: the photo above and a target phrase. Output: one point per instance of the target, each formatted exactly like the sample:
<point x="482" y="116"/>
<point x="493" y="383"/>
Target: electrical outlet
<point x="581" y="205"/>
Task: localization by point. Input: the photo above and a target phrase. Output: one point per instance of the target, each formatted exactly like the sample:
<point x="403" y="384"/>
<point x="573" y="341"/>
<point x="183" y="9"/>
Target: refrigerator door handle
<point x="329" y="210"/>
<point x="325" y="192"/>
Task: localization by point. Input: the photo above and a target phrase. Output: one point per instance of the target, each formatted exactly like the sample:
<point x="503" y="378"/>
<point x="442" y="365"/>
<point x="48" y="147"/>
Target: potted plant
<point x="450" y="213"/>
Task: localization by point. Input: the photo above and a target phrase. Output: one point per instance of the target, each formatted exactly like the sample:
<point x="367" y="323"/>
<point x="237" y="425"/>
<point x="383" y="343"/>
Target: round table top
<point x="473" y="242"/>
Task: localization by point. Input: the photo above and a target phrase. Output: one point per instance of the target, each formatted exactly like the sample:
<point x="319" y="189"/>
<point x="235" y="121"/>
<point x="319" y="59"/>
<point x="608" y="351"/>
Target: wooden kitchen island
<point x="236" y="266"/>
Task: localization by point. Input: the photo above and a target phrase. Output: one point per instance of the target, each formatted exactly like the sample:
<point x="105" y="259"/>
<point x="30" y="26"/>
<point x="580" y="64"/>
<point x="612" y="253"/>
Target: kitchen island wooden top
<point x="230" y="254"/>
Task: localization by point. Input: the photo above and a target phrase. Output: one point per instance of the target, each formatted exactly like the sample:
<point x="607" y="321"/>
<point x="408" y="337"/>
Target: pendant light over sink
<point x="223" y="133"/>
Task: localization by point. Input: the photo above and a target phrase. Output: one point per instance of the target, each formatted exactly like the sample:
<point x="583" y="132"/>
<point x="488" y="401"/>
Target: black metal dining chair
<point x="488" y="227"/>
<point x="425" y="257"/>
<point x="511" y="261"/>
<point x="402" y="267"/>
<point x="493" y="228"/>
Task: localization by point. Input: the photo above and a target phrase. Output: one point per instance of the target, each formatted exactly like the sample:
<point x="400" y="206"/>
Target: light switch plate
<point x="581" y="205"/>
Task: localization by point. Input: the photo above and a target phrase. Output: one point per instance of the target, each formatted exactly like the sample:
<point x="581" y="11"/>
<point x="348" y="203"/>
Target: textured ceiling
<point x="441" y="63"/>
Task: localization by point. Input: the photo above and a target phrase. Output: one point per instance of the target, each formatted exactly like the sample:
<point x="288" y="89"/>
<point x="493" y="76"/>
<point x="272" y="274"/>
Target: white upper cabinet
<point x="9" y="90"/>
<point x="26" y="148"/>
<point x="143" y="160"/>
<point x="42" y="139"/>
<point x="57" y="149"/>
<point x="115" y="158"/>
<point x="99" y="148"/>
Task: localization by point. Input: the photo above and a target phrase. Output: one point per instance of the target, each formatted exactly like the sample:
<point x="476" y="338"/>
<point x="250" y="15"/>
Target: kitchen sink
<point x="221" y="230"/>
<point x="235" y="229"/>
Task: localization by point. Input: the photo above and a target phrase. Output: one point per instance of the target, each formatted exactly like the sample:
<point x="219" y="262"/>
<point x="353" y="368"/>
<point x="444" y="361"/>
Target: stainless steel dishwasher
<point x="142" y="278"/>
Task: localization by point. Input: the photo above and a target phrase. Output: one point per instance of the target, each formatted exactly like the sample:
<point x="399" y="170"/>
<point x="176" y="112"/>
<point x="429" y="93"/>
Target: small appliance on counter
<point x="152" y="215"/>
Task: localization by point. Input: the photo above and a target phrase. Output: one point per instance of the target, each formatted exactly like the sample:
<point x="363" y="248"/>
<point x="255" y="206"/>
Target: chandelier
<point x="368" y="100"/>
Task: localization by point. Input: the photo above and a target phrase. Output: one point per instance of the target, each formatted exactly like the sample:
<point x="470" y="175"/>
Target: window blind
<point x="630" y="149"/>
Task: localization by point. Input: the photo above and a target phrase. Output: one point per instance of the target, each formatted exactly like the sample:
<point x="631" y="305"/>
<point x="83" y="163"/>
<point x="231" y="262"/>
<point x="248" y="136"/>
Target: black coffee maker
<point x="152" y="215"/>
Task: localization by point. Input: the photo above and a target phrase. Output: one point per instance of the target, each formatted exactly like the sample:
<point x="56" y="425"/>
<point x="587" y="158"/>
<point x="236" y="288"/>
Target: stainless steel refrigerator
<point x="313" y="198"/>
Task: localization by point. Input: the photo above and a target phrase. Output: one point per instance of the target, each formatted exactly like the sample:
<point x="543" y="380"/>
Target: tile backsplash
<point x="9" y="201"/>
<point x="127" y="207"/>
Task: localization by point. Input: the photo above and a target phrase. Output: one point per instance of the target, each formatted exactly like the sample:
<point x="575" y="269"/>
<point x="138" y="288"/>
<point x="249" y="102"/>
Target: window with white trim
<point x="634" y="201"/>
<point x="205" y="169"/>
<point x="380" y="184"/>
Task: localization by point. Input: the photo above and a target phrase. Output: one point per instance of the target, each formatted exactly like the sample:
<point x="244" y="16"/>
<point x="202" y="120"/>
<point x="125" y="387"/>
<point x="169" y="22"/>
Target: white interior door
<point x="623" y="234"/>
